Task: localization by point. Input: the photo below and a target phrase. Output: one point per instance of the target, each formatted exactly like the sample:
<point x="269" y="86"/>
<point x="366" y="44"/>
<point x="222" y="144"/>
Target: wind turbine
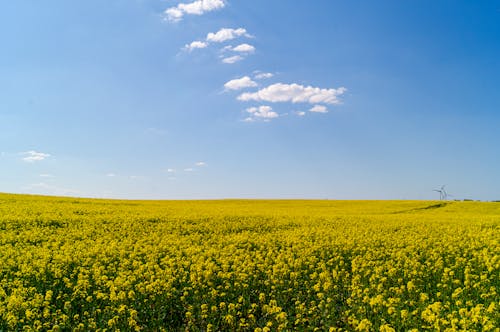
<point x="443" y="195"/>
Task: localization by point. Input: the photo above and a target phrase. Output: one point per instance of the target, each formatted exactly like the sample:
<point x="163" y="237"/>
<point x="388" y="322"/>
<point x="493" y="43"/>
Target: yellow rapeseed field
<point x="237" y="265"/>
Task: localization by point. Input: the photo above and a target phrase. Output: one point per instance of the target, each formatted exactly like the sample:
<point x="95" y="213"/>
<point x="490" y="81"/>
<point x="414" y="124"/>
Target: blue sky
<point x="251" y="99"/>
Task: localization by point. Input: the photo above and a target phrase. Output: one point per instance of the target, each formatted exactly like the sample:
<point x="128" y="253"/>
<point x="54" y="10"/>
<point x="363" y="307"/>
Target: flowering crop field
<point x="248" y="265"/>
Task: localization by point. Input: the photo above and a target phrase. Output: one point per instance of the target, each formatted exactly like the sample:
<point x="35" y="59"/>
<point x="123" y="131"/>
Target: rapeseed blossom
<point x="85" y="265"/>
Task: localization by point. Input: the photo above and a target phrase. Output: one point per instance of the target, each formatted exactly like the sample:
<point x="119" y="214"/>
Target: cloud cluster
<point x="282" y="93"/>
<point x="263" y="112"/>
<point x="33" y="156"/>
<point x="221" y="36"/>
<point x="295" y="93"/>
<point x="198" y="7"/>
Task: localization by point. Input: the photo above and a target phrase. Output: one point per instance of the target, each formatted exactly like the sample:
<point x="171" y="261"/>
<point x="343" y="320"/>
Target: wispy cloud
<point x="198" y="7"/>
<point x="47" y="176"/>
<point x="240" y="83"/>
<point x="111" y="175"/>
<point x="232" y="59"/>
<point x="294" y="93"/>
<point x="260" y="76"/>
<point x="190" y="169"/>
<point x="318" y="109"/>
<point x="33" y="156"/>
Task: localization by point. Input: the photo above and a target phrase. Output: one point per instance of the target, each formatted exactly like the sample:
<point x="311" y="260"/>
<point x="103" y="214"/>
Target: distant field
<point x="248" y="265"/>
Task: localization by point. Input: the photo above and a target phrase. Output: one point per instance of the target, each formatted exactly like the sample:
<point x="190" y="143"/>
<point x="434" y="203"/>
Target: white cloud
<point x="260" y="76"/>
<point x="170" y="170"/>
<point x="221" y="36"/>
<point x="240" y="83"/>
<point x="194" y="45"/>
<point x="318" y="109"/>
<point x="198" y="7"/>
<point x="201" y="164"/>
<point x="294" y="93"/>
<point x="232" y="59"/>
<point x="111" y="175"/>
<point x="32" y="156"/>
<point x="244" y="48"/>
<point x="263" y="112"/>
<point x="225" y="34"/>
<point x="46" y="175"/>
<point x="174" y="14"/>
<point x="189" y="169"/>
<point x="300" y="113"/>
